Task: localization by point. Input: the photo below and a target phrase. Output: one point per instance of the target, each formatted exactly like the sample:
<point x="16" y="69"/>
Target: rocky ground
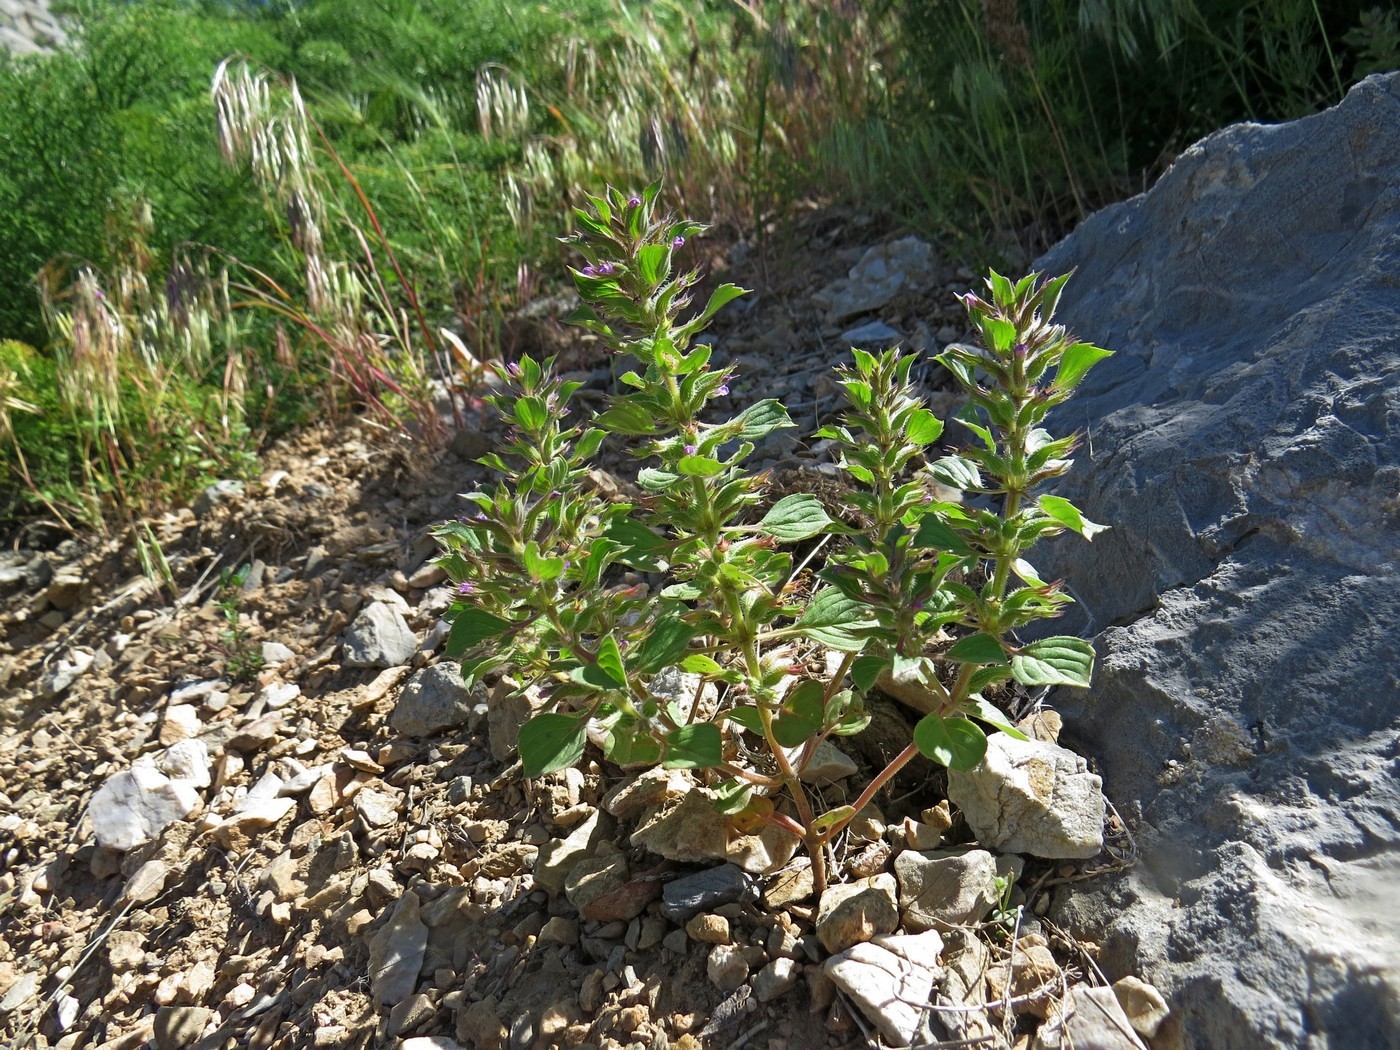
<point x="307" y="833"/>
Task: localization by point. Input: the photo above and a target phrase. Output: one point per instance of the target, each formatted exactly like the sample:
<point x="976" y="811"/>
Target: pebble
<point x="887" y="978"/>
<point x="63" y="673"/>
<point x="727" y="967"/>
<point x="146" y="883"/>
<point x="705" y="890"/>
<point x="275" y="654"/>
<point x="777" y="978"/>
<point x="854" y="912"/>
<point x="378" y="809"/>
<point x="279" y="694"/>
<point x="379" y="637"/>
<point x="134" y="806"/>
<point x="187" y="760"/>
<point x="396" y="953"/>
<point x="432" y="700"/>
<point x="708" y="929"/>
<point x="177" y="1027"/>
<point x="181" y="722"/>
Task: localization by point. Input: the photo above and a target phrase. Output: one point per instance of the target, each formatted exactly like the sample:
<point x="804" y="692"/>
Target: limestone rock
<point x="690" y="831"/>
<point x="1026" y="796"/>
<point x="1089" y="1019"/>
<point x="776" y="979"/>
<point x="938" y="890"/>
<point x="874" y="281"/>
<point x="187" y="760"/>
<point x="857" y="911"/>
<point x="134" y="806"/>
<point x="396" y="953"/>
<point x="727" y="967"/>
<point x="63" y="673"/>
<point x="177" y="1027"/>
<point x="432" y="700"/>
<point x="874" y="335"/>
<point x="508" y="710"/>
<point x="1245" y="451"/>
<point x="379" y="637"/>
<point x="1143" y="1005"/>
<point x="886" y="978"/>
<point x="558" y="857"/>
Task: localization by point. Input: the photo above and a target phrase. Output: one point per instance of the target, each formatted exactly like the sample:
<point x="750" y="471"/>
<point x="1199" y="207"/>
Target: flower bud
<point x="678" y="242"/>
<point x="634" y="202"/>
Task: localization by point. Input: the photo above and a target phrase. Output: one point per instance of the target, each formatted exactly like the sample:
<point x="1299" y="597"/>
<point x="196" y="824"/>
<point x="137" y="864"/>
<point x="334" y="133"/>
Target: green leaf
<point x="1061" y="660"/>
<point x="747" y="717"/>
<point x="935" y="532"/>
<point x="983" y="711"/>
<point x="957" y="473"/>
<point x="1068" y="515"/>
<point x="664" y="646"/>
<point x="531" y="413"/>
<point x="801" y="716"/>
<point x="539" y="567"/>
<point x="698" y="746"/>
<point x="924" y="427"/>
<point x="610" y="661"/>
<point x="731" y="796"/>
<point x="796" y="517"/>
<point x="760" y="419"/>
<point x="471" y="627"/>
<point x="865" y="669"/>
<point x="627" y="417"/>
<point x="654" y="480"/>
<point x="699" y="466"/>
<point x="831" y="818"/>
<point x="1001" y="334"/>
<point x="551" y="741"/>
<point x="654" y="262"/>
<point x="953" y="742"/>
<point x="830" y="619"/>
<point x="1075" y="363"/>
<point x="632" y="746"/>
<point x="977" y="648"/>
<point x="699" y="663"/>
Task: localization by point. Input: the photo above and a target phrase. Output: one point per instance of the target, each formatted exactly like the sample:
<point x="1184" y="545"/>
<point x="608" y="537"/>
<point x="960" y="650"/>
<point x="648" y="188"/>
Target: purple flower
<point x="916" y="605"/>
<point x="679" y="242"/>
<point x="1020" y="350"/>
<point x="604" y="269"/>
<point x="464" y="589"/>
<point x="722" y="390"/>
<point x="514" y="369"/>
<point x="634" y="202"/>
<point x="589" y="271"/>
<point x="690" y="450"/>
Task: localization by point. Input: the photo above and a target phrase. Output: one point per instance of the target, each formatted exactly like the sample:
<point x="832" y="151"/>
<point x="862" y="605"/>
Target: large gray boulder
<point x="1245" y="447"/>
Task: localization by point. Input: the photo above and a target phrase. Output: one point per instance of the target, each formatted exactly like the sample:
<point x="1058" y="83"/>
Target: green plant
<point x="537" y="560"/>
<point x="243" y="658"/>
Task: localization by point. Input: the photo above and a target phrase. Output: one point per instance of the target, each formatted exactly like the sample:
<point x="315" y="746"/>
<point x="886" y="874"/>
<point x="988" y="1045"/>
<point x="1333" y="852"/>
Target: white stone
<point x="1027" y="796"/>
<point x="132" y="807"/>
<point x="279" y="694"/>
<point x="188" y="761"/>
<point x="886" y="978"/>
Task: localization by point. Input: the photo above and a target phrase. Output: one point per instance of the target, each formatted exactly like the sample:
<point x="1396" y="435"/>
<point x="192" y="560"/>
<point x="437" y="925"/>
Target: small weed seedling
<point x="243" y="658"/>
<point x="928" y="585"/>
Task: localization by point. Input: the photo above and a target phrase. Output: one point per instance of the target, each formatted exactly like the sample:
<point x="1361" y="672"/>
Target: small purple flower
<point x="690" y="450"/>
<point x="604" y="269"/>
<point x="514" y="370"/>
<point x="722" y="390"/>
<point x="679" y="242"/>
<point x="480" y="515"/>
<point x="916" y="605"/>
<point x="1020" y="350"/>
<point x="634" y="202"/>
<point x="589" y="271"/>
<point x="464" y="588"/>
